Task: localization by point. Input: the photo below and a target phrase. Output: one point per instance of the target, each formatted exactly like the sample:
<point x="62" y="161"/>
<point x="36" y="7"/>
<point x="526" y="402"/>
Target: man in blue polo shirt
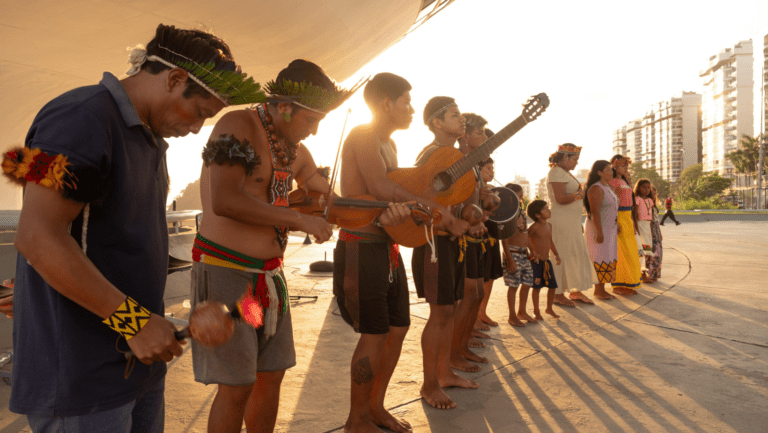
<point x="93" y="239"/>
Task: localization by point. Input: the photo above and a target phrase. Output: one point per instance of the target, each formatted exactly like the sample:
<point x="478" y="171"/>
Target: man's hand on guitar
<point x="317" y="227"/>
<point x="395" y="214"/>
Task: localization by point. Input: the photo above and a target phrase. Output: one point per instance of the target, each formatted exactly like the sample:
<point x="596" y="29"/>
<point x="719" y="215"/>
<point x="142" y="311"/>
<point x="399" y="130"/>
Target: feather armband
<point x="24" y="165"/>
<point x="228" y="149"/>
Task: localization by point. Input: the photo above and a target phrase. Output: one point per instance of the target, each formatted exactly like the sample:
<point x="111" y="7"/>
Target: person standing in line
<point x="669" y="214"/>
<point x="565" y="196"/>
<point x="93" y="236"/>
<point x="644" y="205"/>
<point x="628" y="263"/>
<point x="653" y="263"/>
<point x="602" y="206"/>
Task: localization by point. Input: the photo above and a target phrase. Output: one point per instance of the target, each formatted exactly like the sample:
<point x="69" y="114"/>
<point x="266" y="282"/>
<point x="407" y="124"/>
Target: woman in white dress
<point x="602" y="206"/>
<point x="565" y="200"/>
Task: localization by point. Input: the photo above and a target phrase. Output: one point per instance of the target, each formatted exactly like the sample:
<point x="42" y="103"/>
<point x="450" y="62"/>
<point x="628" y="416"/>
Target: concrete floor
<point x="689" y="353"/>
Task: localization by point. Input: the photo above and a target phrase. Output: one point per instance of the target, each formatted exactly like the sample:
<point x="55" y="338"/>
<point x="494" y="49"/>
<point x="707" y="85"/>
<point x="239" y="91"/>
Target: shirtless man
<point x="369" y="278"/>
<point x="249" y="163"/>
<point x="441" y="283"/>
<point x="468" y="308"/>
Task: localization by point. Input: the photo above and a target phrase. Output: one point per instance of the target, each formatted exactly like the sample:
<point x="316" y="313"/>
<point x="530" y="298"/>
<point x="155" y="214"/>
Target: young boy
<point x="540" y="237"/>
<point x="517" y="268"/>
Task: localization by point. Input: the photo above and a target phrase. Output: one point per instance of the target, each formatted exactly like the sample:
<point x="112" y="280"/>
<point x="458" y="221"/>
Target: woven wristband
<point x="128" y="319"/>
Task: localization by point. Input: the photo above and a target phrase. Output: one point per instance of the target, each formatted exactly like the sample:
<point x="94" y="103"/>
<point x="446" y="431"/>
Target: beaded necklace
<point x="282" y="177"/>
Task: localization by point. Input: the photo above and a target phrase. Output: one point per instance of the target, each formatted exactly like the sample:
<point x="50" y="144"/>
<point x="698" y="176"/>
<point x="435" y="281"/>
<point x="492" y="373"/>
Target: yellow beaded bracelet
<point x="128" y="319"/>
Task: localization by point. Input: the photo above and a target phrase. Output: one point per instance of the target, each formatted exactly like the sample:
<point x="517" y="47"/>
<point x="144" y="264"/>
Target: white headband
<point x="437" y="113"/>
<point x="139" y="56"/>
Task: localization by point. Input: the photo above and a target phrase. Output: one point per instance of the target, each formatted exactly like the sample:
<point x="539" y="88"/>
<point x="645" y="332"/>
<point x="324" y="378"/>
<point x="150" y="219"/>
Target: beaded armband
<point x="128" y="319"/>
<point x="226" y="149"/>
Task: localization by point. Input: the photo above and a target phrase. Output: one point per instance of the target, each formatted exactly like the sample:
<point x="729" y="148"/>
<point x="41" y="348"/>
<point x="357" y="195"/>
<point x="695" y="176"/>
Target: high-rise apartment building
<point x="727" y="105"/>
<point x="620" y="141"/>
<point x="634" y="140"/>
<point x="541" y="189"/>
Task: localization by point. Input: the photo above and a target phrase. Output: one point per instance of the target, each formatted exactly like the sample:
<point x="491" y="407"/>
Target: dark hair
<point x="473" y="121"/>
<point x="433" y="106"/>
<point x="593" y="178"/>
<point x="487" y="161"/>
<point x="384" y="85"/>
<point x="196" y="45"/>
<point x="488" y="133"/>
<point x="638" y="184"/>
<point x="534" y="208"/>
<point x="514" y="187"/>
<point x="304" y="71"/>
<point x="614" y="158"/>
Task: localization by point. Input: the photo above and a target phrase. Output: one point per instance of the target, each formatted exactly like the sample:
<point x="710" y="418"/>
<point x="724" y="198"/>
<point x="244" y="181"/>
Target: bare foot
<point x="361" y="426"/>
<point x="437" y="398"/>
<point x="580" y="297"/>
<point x="456" y="380"/>
<point x="603" y="295"/>
<point x="526" y="317"/>
<point x="487" y="320"/>
<point x="381" y="417"/>
<point x="478" y="334"/>
<point x="623" y="291"/>
<point x="537" y="315"/>
<point x="562" y="300"/>
<point x="551" y="312"/>
<point x="474" y="357"/>
<point x="474" y="342"/>
<point x="459" y="363"/>
<point x="480" y="326"/>
<point x="514" y="321"/>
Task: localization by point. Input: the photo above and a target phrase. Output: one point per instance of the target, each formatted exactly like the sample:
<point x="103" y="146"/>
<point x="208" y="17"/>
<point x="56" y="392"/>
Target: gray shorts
<point x="237" y="361"/>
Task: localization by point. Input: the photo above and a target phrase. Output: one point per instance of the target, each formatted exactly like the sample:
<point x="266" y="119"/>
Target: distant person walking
<point x="670" y="214"/>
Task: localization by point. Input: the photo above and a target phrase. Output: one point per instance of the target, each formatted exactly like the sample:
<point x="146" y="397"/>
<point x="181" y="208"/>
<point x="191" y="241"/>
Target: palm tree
<point x="745" y="159"/>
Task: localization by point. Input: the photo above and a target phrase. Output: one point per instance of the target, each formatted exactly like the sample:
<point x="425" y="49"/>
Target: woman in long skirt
<point x="653" y="263"/>
<point x="628" y="264"/>
<point x="602" y="206"/>
<point x="644" y="205"/>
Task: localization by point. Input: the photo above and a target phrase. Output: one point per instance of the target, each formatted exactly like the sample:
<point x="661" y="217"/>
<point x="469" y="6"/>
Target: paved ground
<point x="689" y="353"/>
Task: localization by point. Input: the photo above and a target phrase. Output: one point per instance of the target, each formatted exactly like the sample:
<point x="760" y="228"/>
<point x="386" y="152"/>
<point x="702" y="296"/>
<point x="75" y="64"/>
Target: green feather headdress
<point x="309" y="96"/>
<point x="230" y="87"/>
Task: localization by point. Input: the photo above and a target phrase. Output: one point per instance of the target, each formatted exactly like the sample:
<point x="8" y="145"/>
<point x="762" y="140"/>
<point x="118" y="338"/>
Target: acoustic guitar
<point x="446" y="177"/>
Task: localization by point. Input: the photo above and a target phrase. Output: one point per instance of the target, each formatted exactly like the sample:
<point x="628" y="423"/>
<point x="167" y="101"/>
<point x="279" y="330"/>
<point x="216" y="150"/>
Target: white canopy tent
<point x="49" y="47"/>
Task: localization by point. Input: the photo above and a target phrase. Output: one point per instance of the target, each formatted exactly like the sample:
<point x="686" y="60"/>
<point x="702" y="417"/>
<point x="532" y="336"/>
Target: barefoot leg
<point x="474" y="342"/>
<point x="561" y="299"/>
<point x="364" y="368"/>
<point x="465" y="317"/>
<point x="261" y="409"/>
<point x="379" y="415"/>
<point x="535" y="300"/>
<point x="477" y="334"/>
<point x="600" y="292"/>
<point x="511" y="297"/>
<point x="550" y="301"/>
<point x="482" y="315"/>
<point x="436" y="352"/>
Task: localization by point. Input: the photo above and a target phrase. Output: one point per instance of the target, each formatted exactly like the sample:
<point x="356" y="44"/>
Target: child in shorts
<point x="540" y="236"/>
<point x="517" y="268"/>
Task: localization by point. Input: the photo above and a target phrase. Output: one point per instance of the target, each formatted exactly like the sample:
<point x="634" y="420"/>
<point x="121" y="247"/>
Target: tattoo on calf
<point x="228" y="149"/>
<point x="362" y="371"/>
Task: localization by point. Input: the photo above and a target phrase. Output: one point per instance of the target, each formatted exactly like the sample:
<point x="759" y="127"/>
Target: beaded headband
<point x="569" y="149"/>
<point x="311" y="97"/>
<point x="624" y="160"/>
<point x="229" y="87"/>
<point x="437" y="113"/>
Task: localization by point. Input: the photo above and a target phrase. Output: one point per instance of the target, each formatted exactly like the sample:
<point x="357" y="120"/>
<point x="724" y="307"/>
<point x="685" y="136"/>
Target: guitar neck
<point x="482" y="152"/>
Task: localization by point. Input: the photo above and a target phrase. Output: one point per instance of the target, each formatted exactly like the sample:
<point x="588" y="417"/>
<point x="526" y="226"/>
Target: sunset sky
<point x="602" y="64"/>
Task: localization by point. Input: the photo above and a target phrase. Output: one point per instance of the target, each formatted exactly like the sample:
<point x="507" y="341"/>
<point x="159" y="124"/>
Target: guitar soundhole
<point x="442" y="182"/>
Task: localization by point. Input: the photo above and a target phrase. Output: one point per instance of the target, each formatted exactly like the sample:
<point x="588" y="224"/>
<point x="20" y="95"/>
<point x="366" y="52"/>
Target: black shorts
<point x="367" y="300"/>
<point x="440" y="283"/>
<point x="543" y="275"/>
<point x="474" y="259"/>
<point x="493" y="268"/>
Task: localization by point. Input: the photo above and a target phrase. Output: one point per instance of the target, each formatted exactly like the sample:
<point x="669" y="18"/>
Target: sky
<point x="602" y="64"/>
